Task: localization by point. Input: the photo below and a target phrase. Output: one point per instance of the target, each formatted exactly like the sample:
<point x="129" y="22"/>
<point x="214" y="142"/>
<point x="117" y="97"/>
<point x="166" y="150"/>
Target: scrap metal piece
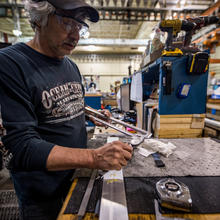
<point x="85" y="200"/>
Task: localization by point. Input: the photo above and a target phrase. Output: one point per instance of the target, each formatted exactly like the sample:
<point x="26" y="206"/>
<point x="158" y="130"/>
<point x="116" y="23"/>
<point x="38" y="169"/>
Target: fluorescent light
<point x="91" y="48"/>
<point x="17" y="33"/>
<point x="141" y="49"/>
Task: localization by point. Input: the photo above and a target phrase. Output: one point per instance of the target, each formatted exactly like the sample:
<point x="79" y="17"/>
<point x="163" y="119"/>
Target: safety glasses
<point x="70" y="24"/>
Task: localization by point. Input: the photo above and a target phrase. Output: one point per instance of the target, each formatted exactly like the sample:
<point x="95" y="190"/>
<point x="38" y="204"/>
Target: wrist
<point x="92" y="158"/>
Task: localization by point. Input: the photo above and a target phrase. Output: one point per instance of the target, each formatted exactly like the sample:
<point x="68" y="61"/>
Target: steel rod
<point x="93" y="111"/>
<point x="112" y="126"/>
<point x="212" y="123"/>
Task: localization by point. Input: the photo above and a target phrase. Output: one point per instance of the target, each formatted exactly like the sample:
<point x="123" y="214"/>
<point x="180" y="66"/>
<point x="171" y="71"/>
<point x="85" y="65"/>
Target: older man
<point x="42" y="104"/>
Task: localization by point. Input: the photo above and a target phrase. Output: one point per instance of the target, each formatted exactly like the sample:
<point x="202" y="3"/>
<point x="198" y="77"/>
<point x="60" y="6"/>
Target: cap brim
<point x="91" y="12"/>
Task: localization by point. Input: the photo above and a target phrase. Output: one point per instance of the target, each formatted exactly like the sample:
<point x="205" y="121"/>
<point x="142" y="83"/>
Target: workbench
<point x="195" y="162"/>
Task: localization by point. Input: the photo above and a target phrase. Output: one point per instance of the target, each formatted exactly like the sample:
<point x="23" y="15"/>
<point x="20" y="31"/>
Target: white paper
<point x="136" y="87"/>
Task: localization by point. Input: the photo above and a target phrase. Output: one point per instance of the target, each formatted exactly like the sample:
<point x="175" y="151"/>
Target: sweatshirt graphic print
<point x="63" y="102"/>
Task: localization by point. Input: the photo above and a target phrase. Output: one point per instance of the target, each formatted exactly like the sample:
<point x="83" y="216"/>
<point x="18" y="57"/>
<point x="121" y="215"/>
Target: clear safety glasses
<point x="70" y="24"/>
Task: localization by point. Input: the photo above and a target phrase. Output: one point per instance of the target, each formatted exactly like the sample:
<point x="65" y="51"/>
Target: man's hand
<point x="106" y="113"/>
<point x="112" y="156"/>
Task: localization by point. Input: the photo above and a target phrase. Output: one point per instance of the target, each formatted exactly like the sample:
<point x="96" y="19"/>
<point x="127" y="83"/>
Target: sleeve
<point x="29" y="151"/>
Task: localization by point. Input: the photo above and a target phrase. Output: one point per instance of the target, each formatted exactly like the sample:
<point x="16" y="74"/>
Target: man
<point x="92" y="85"/>
<point x="43" y="109"/>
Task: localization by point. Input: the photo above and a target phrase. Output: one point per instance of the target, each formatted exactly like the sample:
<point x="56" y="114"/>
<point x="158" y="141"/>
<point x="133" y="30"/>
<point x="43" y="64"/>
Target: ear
<point x="37" y="25"/>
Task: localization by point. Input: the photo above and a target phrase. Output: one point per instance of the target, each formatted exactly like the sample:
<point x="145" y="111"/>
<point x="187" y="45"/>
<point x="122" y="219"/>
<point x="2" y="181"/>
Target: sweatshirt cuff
<point x="40" y="154"/>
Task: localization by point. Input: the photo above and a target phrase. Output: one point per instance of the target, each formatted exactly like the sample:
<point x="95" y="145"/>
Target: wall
<point x="109" y="68"/>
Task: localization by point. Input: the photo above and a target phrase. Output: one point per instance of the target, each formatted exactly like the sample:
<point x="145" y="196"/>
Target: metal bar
<point x="85" y="201"/>
<point x="94" y="111"/>
<point x="128" y="125"/>
<point x="212" y="123"/>
<point x="113" y="201"/>
<point x="112" y="126"/>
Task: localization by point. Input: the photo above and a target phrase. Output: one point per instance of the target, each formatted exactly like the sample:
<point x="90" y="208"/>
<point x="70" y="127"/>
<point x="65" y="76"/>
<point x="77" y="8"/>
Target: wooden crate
<point x="112" y="102"/>
<point x="179" y="126"/>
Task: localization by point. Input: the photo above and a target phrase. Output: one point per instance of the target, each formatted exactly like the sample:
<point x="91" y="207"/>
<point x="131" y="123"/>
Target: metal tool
<point x="157" y="160"/>
<point x="190" y="25"/>
<point x="85" y="200"/>
<point x="173" y="194"/>
<point x="172" y="27"/>
<point x="198" y="23"/>
<point x="159" y="216"/>
<point x="137" y="138"/>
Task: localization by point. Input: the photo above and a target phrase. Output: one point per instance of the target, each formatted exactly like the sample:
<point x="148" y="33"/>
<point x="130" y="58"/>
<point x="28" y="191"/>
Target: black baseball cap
<point x="91" y="13"/>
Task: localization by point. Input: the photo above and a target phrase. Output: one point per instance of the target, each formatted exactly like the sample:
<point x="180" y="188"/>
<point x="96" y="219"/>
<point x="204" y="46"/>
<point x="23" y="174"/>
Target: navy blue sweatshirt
<point x="42" y="105"/>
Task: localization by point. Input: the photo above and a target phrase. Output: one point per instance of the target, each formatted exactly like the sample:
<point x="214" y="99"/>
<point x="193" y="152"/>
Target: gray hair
<point x="38" y="12"/>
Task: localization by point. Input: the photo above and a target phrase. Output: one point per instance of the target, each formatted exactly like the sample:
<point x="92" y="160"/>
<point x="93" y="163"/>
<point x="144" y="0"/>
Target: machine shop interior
<point x="155" y="65"/>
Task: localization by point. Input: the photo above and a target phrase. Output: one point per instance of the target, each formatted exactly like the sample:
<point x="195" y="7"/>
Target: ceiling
<point x="124" y="25"/>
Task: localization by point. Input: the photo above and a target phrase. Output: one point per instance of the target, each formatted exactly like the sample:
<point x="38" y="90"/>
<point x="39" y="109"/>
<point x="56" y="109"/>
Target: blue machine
<point x="179" y="91"/>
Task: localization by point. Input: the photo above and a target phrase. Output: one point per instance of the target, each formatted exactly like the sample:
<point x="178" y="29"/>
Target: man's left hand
<point x="107" y="114"/>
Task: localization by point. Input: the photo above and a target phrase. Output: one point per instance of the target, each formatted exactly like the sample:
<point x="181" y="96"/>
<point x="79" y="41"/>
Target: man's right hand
<point x="112" y="156"/>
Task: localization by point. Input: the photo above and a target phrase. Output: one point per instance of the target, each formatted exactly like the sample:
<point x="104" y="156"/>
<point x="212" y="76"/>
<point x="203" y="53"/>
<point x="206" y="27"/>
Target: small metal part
<point x="174" y="195"/>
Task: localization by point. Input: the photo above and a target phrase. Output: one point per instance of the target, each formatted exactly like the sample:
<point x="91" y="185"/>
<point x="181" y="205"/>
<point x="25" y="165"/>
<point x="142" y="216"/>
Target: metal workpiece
<point x="174" y="195"/>
<point x="113" y="202"/>
<point x="159" y="216"/>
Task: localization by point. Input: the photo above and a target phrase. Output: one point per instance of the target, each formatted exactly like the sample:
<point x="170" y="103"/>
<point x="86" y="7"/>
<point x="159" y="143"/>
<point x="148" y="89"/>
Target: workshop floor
<point x="8" y="200"/>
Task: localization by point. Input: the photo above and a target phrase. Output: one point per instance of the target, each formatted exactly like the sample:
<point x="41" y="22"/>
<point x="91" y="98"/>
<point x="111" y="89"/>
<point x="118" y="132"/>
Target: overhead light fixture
<point x="17" y="33"/>
<point x="91" y="48"/>
<point x="141" y="49"/>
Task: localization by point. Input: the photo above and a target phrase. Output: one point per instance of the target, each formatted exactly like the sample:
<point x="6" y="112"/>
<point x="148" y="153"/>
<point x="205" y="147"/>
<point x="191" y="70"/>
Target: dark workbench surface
<point x="195" y="161"/>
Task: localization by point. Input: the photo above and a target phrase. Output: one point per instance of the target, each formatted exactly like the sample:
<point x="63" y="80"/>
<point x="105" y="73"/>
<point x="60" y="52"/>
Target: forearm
<point x="64" y="158"/>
